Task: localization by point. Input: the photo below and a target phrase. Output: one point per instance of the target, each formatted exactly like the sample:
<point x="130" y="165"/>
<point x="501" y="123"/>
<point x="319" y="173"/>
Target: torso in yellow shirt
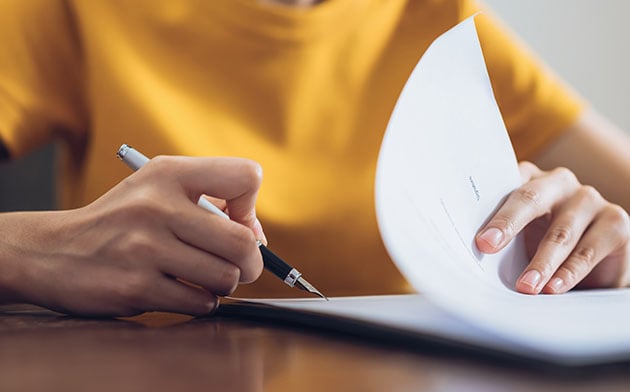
<point x="305" y="92"/>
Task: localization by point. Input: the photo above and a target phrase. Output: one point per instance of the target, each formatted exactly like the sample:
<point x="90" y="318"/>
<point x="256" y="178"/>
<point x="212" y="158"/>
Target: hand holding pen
<point x="142" y="246"/>
<point x="272" y="262"/>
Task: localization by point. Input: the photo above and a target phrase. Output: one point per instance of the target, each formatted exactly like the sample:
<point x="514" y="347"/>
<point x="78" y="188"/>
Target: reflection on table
<point x="42" y="350"/>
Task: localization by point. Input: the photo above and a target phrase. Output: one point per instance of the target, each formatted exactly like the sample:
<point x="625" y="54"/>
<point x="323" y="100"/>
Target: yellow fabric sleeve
<point x="40" y="73"/>
<point x="536" y="106"/>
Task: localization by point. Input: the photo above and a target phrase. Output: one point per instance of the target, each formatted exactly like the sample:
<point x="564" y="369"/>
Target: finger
<point x="256" y="227"/>
<point x="235" y="180"/>
<point x="224" y="178"/>
<point x="534" y="232"/>
<point x="565" y="230"/>
<point x="607" y="234"/>
<point x="169" y="295"/>
<point x="220" y="237"/>
<point x="532" y="200"/>
<point x="234" y="190"/>
<point x="613" y="271"/>
<point x="242" y="208"/>
<point x="259" y="233"/>
<point x="193" y="265"/>
<point x="528" y="171"/>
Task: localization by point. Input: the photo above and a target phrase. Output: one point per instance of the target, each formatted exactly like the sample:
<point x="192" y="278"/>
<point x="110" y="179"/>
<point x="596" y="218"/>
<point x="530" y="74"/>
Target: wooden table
<point x="45" y="351"/>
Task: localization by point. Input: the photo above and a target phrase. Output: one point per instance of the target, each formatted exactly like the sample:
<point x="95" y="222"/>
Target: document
<point x="445" y="165"/>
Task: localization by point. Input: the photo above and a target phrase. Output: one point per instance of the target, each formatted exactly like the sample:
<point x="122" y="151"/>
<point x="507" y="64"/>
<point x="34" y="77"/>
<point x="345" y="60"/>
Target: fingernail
<point x="258" y="230"/>
<point x="531" y="278"/>
<point x="492" y="236"/>
<point x="556" y="284"/>
<point x="212" y="307"/>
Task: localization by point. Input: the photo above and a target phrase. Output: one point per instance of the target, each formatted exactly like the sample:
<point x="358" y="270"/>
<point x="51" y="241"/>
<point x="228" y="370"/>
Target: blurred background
<point x="584" y="41"/>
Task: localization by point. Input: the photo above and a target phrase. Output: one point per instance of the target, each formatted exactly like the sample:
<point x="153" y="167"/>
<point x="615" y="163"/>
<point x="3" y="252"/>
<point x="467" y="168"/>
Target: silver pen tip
<point x="304" y="285"/>
<point x="122" y="151"/>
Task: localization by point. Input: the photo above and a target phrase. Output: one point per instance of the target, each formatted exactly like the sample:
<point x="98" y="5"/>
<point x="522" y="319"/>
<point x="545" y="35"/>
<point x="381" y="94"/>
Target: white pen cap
<point x="132" y="157"/>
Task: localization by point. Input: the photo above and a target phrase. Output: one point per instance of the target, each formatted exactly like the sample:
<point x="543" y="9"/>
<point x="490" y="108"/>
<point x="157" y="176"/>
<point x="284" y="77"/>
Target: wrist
<point x="25" y="240"/>
<point x="9" y="285"/>
<point x="11" y="274"/>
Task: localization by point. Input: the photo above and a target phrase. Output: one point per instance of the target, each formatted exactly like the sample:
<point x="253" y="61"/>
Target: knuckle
<point x="137" y="209"/>
<point x="228" y="279"/>
<point x="565" y="175"/>
<point x="138" y="243"/>
<point x="619" y="222"/>
<point x="589" y="193"/>
<point x="133" y="288"/>
<point x="160" y="163"/>
<point x="574" y="271"/>
<point x="143" y="208"/>
<point x="252" y="172"/>
<point x="528" y="195"/>
<point x="618" y="217"/>
<point x="583" y="255"/>
<point x="252" y="268"/>
<point x="527" y="165"/>
<point x="243" y="241"/>
<point x="560" y="235"/>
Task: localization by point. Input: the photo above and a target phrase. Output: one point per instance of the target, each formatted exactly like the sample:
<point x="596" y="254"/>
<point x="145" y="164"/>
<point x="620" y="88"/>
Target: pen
<point x="291" y="276"/>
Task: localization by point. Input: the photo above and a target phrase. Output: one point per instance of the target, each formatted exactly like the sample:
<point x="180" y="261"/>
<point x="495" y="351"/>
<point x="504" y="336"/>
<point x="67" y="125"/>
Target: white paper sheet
<point x="445" y="165"/>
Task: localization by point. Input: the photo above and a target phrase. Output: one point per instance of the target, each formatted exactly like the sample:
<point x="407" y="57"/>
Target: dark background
<point x="28" y="183"/>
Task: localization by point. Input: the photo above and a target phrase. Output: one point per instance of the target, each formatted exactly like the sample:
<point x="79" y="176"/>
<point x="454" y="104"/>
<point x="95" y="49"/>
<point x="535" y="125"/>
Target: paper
<point x="445" y="165"/>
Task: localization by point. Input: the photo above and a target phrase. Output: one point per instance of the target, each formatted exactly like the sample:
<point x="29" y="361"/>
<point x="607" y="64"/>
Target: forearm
<point x="12" y="258"/>
<point x="598" y="153"/>
<point x="8" y="279"/>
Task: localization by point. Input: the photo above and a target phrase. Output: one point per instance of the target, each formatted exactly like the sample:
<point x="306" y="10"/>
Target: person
<point x="303" y="89"/>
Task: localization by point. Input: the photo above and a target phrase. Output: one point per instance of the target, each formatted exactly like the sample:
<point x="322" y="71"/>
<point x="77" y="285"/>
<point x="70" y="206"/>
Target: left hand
<point x="573" y="235"/>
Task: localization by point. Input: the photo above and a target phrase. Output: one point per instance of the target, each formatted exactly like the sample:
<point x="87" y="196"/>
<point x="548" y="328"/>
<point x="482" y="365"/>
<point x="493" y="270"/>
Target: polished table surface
<point x="45" y="351"/>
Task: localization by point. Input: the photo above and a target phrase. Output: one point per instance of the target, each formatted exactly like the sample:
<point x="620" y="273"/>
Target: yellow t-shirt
<point x="305" y="92"/>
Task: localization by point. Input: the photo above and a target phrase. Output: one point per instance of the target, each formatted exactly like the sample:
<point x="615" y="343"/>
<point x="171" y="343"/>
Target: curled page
<point x="445" y="165"/>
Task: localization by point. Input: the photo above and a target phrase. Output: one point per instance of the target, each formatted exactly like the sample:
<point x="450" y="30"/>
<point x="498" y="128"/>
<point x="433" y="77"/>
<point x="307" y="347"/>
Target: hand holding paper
<point x="447" y="117"/>
<point x="573" y="235"/>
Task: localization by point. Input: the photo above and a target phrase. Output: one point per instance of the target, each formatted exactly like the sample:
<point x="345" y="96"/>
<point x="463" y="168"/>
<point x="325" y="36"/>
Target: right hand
<point x="143" y="246"/>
